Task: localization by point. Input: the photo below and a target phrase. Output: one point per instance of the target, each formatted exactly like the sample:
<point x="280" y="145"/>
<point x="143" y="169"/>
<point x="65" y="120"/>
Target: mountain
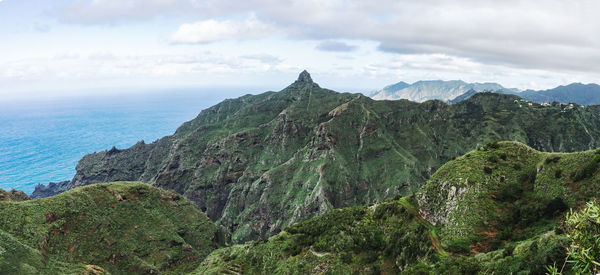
<point x="116" y="228"/>
<point x="259" y="163"/>
<point x="433" y="89"/>
<point x="456" y="91"/>
<point x="390" y="90"/>
<point x="462" y="97"/>
<point x="496" y="210"/>
<point x="583" y="94"/>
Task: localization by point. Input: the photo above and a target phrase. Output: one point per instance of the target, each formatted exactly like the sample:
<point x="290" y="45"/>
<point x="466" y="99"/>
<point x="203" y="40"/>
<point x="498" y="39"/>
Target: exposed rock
<point x="53" y="188"/>
<point x="13" y="195"/>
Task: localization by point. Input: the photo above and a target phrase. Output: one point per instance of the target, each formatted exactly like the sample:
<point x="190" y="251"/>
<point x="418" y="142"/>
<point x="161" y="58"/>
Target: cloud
<point x="335" y="46"/>
<point x="209" y="31"/>
<point x="552" y="34"/>
<point x="264" y="58"/>
<point x="117" y="11"/>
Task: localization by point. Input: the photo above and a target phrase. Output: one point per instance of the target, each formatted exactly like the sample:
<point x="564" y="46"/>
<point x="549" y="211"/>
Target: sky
<point x="78" y="47"/>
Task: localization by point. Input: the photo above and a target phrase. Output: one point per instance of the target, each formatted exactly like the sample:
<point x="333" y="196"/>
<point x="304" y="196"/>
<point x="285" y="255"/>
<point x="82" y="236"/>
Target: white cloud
<point x="264" y="58"/>
<point x="209" y="31"/>
<point x="117" y="11"/>
<point x="335" y="46"/>
<point x="551" y="34"/>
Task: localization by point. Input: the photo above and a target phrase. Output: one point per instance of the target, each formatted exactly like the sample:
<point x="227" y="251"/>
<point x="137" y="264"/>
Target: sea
<point x="42" y="140"/>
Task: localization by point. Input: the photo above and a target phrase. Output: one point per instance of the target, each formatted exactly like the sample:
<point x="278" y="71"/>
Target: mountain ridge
<point x="444" y="90"/>
<point x="454" y="91"/>
<point x="259" y="163"/>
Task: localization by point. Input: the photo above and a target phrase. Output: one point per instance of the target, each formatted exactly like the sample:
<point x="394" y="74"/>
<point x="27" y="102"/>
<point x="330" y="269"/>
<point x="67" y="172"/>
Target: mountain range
<point x="434" y="89"/>
<point x="456" y="90"/>
<point x="259" y="163"/>
<point x="308" y="180"/>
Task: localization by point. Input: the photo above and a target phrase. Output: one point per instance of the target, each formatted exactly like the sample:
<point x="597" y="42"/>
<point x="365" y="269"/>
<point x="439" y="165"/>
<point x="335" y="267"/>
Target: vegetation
<point x="383" y="238"/>
<point x="121" y="228"/>
<point x="583" y="228"/>
<point x="469" y="222"/>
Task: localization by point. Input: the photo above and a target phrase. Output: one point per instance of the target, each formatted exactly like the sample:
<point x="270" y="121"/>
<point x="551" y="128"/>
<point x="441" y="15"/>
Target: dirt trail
<point x="432" y="234"/>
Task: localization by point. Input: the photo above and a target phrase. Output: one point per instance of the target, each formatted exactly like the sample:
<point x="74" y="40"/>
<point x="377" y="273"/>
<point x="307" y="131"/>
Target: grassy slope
<point x="124" y="227"/>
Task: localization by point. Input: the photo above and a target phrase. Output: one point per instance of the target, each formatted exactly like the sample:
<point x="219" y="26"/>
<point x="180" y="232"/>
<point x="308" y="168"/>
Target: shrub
<point x="488" y="170"/>
<point x="588" y="170"/>
<point x="583" y="228"/>
<point x="552" y="159"/>
<point x="503" y="156"/>
<point x="459" y="246"/>
<point x="558" y="174"/>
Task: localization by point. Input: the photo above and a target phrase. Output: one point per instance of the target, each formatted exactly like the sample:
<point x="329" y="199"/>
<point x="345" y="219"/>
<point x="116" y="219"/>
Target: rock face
<point x="53" y="188"/>
<point x="259" y="163"/>
<point x="13" y="195"/>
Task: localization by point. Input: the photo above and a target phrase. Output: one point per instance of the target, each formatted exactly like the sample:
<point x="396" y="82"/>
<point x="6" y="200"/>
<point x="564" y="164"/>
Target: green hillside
<point x="121" y="228"/>
<point x="499" y="209"/>
<point x="259" y="163"/>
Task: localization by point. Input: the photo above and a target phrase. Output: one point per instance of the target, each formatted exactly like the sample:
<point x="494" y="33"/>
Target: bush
<point x="419" y="269"/>
<point x="459" y="265"/>
<point x="588" y="170"/>
<point x="583" y="228"/>
<point x="460" y="246"/>
<point x="552" y="159"/>
<point x="503" y="156"/>
<point x="488" y="170"/>
<point x="558" y="174"/>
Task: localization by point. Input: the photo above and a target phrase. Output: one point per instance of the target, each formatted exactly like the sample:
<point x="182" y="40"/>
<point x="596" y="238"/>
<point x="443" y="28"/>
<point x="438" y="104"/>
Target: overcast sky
<point x="81" y="46"/>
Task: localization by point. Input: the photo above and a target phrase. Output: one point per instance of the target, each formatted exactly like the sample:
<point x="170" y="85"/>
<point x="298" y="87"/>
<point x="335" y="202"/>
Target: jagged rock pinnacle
<point x="304" y="77"/>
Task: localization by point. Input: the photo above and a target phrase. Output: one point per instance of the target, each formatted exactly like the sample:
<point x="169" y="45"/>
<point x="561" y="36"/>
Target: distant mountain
<point x="390" y="90"/>
<point x="456" y="91"/>
<point x="434" y="89"/>
<point x="462" y="97"/>
<point x="583" y="94"/>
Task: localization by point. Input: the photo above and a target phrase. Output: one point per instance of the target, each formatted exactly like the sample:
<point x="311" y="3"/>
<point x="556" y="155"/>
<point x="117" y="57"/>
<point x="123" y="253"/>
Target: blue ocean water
<point x="41" y="141"/>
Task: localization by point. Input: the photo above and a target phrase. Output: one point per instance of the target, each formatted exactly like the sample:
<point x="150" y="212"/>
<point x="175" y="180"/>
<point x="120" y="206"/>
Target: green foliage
<point x="124" y="227"/>
<point x="460" y="246"/>
<point x="583" y="228"/>
<point x="382" y="238"/>
<point x="484" y="202"/>
<point x="587" y="170"/>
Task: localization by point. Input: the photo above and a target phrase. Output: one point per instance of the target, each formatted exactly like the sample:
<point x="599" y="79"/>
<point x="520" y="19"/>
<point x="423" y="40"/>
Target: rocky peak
<point x="304" y="77"/>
